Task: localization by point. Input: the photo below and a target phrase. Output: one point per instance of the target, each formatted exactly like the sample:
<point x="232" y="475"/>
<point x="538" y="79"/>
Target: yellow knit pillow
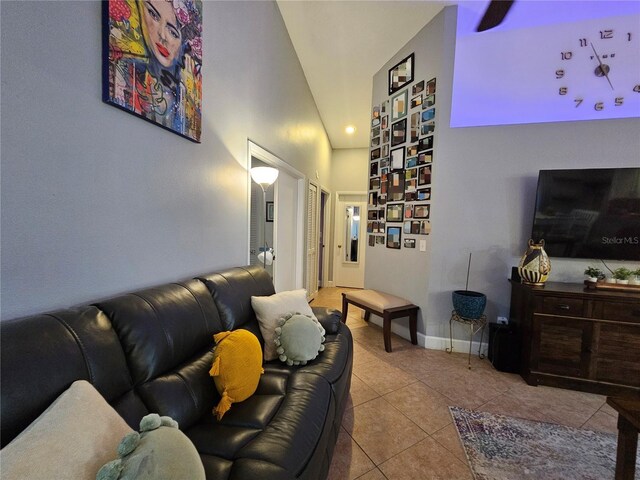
<point x="237" y="366"/>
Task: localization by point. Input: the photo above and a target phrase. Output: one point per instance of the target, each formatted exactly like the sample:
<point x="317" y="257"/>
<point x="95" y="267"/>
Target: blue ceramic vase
<point x="469" y="304"/>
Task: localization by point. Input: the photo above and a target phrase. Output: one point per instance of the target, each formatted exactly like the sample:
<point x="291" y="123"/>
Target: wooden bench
<point x="389" y="307"/>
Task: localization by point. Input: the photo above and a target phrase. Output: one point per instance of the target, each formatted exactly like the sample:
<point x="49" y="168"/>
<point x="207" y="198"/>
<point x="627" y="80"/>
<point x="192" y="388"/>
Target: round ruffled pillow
<point x="159" y="452"/>
<point x="299" y="339"/>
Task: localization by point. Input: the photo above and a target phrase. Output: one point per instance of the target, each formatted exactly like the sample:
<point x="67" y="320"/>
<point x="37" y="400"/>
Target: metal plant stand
<point x="475" y="325"/>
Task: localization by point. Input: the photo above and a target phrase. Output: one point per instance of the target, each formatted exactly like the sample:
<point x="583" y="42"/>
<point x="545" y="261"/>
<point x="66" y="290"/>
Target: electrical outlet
<point x="503" y="321"/>
<point x="423" y="245"/>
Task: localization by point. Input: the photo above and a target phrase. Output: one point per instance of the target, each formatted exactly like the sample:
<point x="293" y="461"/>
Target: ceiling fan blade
<point x="494" y="15"/>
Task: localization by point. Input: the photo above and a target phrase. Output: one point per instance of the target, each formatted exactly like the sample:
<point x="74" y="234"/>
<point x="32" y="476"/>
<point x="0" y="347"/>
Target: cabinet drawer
<point x="573" y="307"/>
<point x="621" y="312"/>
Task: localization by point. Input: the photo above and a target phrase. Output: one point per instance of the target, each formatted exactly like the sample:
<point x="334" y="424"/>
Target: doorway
<point x="349" y="253"/>
<point x="323" y="258"/>
<point x="284" y="229"/>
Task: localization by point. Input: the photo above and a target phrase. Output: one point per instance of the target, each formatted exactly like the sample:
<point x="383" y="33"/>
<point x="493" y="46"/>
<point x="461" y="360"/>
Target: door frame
<point x="264" y="155"/>
<point x="327" y="228"/>
<point x="337" y="259"/>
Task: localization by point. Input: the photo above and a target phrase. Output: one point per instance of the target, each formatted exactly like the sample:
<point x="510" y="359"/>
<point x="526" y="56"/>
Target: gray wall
<point x="483" y="192"/>
<point x="96" y="201"/>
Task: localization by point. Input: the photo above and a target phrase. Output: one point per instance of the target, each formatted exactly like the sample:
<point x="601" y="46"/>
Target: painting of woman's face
<point x="161" y="30"/>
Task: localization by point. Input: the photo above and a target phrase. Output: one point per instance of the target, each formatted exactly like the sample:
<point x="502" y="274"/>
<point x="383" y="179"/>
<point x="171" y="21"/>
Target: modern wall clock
<point x="548" y="71"/>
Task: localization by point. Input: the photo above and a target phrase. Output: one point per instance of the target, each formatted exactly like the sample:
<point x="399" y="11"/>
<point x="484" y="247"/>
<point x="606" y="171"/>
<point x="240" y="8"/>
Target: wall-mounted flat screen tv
<point x="589" y="213"/>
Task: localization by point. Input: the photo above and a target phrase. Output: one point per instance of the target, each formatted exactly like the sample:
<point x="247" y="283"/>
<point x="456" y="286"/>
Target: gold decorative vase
<point x="535" y="265"/>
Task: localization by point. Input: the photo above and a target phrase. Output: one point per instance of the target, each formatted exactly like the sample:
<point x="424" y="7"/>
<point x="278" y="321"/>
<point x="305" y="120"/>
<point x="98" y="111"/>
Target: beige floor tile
<point x="602" y="422"/>
<point x="381" y="430"/>
<point x="448" y="437"/>
<point x="362" y="355"/>
<point x="374" y="474"/>
<point x="558" y="405"/>
<point x="372" y="338"/>
<point x="425" y="461"/>
<point x="349" y="461"/>
<point x="382" y="377"/>
<point x="424" y="406"/>
<point x="466" y="388"/>
<point x="512" y="406"/>
<point x="360" y="392"/>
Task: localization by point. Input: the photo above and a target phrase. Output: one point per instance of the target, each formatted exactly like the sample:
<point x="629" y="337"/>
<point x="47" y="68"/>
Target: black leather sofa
<point x="150" y="351"/>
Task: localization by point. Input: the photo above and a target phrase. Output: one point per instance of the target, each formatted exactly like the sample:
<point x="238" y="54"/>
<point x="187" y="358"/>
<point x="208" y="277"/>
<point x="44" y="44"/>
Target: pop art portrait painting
<point x="152" y="61"/>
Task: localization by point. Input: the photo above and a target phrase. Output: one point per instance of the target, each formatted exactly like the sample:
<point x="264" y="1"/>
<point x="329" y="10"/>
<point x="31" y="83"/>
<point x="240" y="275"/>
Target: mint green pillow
<point x="299" y="338"/>
<point x="160" y="452"/>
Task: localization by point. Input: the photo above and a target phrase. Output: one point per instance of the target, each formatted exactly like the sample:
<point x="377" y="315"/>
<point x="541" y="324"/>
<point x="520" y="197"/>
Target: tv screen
<point x="590" y="213"/>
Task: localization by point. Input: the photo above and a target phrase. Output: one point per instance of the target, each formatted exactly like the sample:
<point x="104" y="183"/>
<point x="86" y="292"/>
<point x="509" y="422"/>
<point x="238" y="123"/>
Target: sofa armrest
<point x="329" y="318"/>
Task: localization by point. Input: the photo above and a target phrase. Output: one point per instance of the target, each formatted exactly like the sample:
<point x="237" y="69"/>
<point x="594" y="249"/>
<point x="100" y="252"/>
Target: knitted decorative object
<point x="159" y="452"/>
<point x="299" y="339"/>
<point x="236" y="369"/>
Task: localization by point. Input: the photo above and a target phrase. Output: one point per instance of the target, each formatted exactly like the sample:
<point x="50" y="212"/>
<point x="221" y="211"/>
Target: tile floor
<point x="397" y="424"/>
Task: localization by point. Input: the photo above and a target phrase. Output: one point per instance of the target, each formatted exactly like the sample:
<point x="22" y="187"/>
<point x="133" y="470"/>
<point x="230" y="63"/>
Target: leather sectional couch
<point x="150" y="351"/>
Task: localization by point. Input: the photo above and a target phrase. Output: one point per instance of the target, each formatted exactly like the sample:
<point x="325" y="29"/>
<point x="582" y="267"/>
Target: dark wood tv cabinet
<point x="579" y="339"/>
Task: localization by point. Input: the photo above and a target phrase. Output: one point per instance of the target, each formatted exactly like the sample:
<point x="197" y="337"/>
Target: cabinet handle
<point x="564" y="306"/>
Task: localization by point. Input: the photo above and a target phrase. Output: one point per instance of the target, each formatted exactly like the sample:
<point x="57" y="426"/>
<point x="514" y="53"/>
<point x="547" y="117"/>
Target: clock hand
<point x="604" y="69"/>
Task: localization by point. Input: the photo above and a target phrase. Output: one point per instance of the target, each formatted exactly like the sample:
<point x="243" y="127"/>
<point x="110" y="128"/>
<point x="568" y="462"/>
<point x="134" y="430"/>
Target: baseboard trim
<point x="437" y="343"/>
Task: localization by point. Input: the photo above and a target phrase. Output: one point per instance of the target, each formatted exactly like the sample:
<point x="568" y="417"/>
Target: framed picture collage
<point x="401" y="160"/>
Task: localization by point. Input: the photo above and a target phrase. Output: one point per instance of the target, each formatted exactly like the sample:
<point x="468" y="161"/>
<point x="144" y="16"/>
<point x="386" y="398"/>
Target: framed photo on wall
<point x="399" y="132"/>
<point x="415" y="126"/>
<point x="394" y="212"/>
<point x="425" y="143"/>
<point x="401" y="74"/>
<point x="269" y="212"/>
<point x="393" y="237"/>
<point x="397" y="158"/>
<point x="424" y="175"/>
<point x="399" y="106"/>
<point x="417" y="88"/>
<point x="153" y="73"/>
<point x="396" y="186"/>
<point x="421" y="211"/>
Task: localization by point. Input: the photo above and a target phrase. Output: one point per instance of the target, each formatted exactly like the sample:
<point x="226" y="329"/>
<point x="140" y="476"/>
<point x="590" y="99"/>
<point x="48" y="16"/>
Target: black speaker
<point x="515" y="275"/>
<point x="504" y="348"/>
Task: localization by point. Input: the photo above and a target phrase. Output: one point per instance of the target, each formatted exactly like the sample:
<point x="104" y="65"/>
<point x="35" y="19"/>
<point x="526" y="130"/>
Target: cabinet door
<point x="561" y="346"/>
<point x="617" y="356"/>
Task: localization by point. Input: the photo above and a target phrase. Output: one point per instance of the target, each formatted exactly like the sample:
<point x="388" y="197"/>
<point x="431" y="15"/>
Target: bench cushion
<point x="377" y="301"/>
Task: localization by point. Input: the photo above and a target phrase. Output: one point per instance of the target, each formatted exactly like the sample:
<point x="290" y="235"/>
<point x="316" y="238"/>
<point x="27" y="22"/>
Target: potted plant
<point x="622" y="275"/>
<point x="635" y="277"/>
<point x="594" y="274"/>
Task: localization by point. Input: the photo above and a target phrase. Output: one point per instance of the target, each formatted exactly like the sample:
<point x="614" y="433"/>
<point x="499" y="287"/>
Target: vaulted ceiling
<point x="341" y="45"/>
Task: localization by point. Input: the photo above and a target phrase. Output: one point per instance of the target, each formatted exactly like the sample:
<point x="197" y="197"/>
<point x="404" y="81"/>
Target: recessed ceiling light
<point x="350" y="130"/>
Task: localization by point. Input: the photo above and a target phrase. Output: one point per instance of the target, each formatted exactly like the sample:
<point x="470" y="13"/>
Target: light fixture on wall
<point x="265" y="177"/>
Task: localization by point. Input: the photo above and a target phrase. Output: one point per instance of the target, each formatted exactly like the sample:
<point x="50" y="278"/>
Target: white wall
<point x="483" y="192"/>
<point x="96" y="201"/>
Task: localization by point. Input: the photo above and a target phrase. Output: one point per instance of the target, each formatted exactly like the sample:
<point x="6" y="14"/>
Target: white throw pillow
<point x="269" y="310"/>
<point x="73" y="438"/>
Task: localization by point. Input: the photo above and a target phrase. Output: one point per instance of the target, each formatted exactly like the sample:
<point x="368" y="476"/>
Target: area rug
<point x="507" y="448"/>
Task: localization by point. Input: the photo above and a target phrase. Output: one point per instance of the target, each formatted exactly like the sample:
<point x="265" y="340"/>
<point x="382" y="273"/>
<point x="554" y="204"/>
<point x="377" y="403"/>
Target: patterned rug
<point x="506" y="448"/>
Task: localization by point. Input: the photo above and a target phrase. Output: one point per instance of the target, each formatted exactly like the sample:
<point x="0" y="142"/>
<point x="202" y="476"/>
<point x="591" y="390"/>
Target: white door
<point x="350" y="233"/>
<point x="312" y="240"/>
<point x="285" y="236"/>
